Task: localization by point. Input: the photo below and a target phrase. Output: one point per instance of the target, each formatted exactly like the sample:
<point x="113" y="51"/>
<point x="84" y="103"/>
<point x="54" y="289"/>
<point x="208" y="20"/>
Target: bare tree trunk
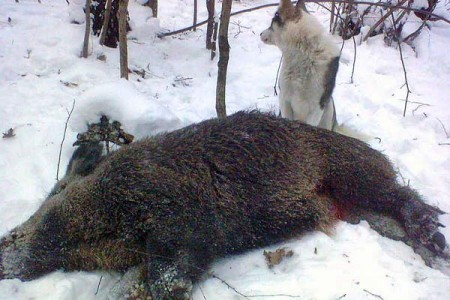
<point x="210" y="6"/>
<point x="333" y="12"/>
<point x="153" y="4"/>
<point x="87" y="31"/>
<point x="106" y="21"/>
<point x="224" y="55"/>
<point x="214" y="39"/>
<point x="123" y="14"/>
<point x="195" y="16"/>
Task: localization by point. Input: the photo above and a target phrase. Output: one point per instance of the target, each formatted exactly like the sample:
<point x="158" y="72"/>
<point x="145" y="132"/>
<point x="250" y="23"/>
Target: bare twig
<point x="201" y="291"/>
<point x="425" y="19"/>
<point x="276" y="79"/>
<point x="414" y="102"/>
<point x="98" y="286"/>
<point x="375" y="295"/>
<point x="239" y="26"/>
<point x="388" y="6"/>
<point x="443" y="127"/>
<point x="380" y="21"/>
<point x="405" y="182"/>
<point x="338" y="16"/>
<point x="250" y="296"/>
<point x="64" y="137"/>
<point x="419" y="106"/>
<point x="385" y="5"/>
<point x="408" y="91"/>
<point x="229" y="286"/>
<point x="354" y="58"/>
<point x="416" y="33"/>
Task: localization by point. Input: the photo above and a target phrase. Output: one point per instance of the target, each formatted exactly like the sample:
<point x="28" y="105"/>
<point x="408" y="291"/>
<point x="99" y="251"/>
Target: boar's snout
<point x="13" y="254"/>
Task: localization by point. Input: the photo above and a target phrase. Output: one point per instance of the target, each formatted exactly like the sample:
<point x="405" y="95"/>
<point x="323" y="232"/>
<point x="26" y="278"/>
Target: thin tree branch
<point x="229" y="286"/>
<point x="354" y="58"/>
<point x="201" y="291"/>
<point x="64" y="137"/>
<point x="338" y="16"/>
<point x="443" y="127"/>
<point x="385" y="5"/>
<point x="425" y="19"/>
<point x="381" y="21"/>
<point x="408" y="91"/>
<point x="276" y="79"/>
<point x="250" y="296"/>
<point x="98" y="286"/>
<point x="375" y="295"/>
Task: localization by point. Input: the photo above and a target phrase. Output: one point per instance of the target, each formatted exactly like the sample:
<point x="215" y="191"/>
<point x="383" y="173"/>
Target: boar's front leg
<point x="172" y="278"/>
<point x="169" y="282"/>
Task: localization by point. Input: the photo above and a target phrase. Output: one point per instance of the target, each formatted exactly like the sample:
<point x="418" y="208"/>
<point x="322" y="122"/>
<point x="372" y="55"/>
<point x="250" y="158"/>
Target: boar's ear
<point x="301" y="5"/>
<point x="85" y="159"/>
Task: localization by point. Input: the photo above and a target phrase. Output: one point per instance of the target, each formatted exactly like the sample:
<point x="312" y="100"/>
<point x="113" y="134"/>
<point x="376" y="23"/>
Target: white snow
<point x="41" y="75"/>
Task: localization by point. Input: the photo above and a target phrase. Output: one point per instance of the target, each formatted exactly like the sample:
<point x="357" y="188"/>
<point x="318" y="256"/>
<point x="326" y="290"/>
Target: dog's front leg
<point x="314" y="116"/>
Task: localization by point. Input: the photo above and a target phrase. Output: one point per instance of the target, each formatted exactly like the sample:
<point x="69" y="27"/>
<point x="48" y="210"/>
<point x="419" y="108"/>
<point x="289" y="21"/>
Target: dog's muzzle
<point x="266" y="36"/>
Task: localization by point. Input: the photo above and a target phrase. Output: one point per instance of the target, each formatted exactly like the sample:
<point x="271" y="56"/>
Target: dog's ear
<point x="288" y="11"/>
<point x="286" y="4"/>
<point x="301" y="5"/>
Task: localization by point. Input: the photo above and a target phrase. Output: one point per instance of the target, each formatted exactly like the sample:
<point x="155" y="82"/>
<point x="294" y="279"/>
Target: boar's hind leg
<point x="366" y="183"/>
<point x="400" y="214"/>
<point x="421" y="223"/>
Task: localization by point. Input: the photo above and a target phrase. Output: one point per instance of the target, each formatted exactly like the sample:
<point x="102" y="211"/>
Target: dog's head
<point x="286" y="12"/>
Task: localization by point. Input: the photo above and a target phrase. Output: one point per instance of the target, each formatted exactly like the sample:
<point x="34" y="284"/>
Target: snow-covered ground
<point x="41" y="75"/>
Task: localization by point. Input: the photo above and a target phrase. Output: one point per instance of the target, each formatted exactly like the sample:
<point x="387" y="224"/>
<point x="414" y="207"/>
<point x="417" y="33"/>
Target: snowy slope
<point x="41" y="75"/>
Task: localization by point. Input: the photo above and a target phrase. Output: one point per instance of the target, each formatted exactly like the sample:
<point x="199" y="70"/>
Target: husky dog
<point x="173" y="203"/>
<point x="310" y="65"/>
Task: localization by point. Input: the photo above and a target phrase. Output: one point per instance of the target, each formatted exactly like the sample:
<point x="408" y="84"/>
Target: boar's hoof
<point x="422" y="227"/>
<point x="171" y="286"/>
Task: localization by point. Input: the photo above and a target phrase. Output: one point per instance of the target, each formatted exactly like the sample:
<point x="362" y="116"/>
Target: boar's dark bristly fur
<point x="177" y="201"/>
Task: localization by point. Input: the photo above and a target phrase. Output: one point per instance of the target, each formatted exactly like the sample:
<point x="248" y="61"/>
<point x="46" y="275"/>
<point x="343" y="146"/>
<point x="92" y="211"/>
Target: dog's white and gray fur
<point x="310" y="65"/>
